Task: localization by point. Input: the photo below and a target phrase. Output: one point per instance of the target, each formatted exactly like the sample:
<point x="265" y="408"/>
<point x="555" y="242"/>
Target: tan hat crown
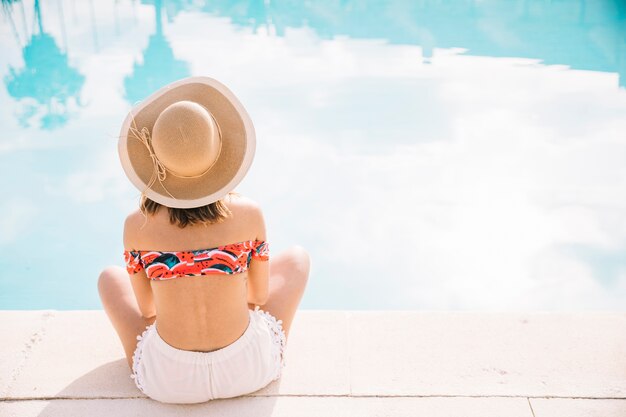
<point x="186" y="139"/>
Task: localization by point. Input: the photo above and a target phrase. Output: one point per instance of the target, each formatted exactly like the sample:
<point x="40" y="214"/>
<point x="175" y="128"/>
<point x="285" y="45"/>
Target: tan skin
<point x="201" y="313"/>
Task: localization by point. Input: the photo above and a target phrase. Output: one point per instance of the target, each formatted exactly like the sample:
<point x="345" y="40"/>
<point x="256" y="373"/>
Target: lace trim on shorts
<point x="279" y="339"/>
<point x="137" y="358"/>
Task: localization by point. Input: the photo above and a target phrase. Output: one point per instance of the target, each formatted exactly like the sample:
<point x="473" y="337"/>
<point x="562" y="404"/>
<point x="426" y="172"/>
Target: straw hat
<point x="188" y="144"/>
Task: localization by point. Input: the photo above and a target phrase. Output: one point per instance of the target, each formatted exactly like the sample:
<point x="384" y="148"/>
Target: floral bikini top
<point x="233" y="258"/>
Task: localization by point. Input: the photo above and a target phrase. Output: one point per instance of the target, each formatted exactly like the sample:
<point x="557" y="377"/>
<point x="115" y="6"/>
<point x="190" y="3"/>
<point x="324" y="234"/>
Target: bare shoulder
<point x="247" y="211"/>
<point x="132" y="225"/>
<point x="242" y="205"/>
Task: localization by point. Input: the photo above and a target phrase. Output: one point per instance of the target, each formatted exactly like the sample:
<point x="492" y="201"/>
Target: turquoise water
<point x="429" y="155"/>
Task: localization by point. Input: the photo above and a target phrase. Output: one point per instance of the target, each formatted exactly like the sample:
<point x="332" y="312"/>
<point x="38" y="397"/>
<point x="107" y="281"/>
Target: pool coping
<point x="353" y="362"/>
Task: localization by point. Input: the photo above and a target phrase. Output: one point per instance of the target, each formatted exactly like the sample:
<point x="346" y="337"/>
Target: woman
<point x="201" y="310"/>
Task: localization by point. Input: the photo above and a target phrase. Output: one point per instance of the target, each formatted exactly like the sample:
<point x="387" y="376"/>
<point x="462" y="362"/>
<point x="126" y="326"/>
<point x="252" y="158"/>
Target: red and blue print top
<point x="233" y="258"/>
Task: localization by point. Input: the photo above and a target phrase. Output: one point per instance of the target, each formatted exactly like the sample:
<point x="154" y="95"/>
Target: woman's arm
<point x="139" y="281"/>
<point x="258" y="282"/>
<point x="258" y="273"/>
<point x="143" y="294"/>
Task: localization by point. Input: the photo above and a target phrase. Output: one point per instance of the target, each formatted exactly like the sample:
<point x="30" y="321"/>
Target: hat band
<point x="159" y="171"/>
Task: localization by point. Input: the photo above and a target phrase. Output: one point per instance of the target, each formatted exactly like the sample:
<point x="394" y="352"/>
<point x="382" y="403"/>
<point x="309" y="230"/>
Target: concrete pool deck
<point x="343" y="363"/>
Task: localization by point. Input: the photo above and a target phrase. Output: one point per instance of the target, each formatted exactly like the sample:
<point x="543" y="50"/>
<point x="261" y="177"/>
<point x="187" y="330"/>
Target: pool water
<point x="429" y="155"/>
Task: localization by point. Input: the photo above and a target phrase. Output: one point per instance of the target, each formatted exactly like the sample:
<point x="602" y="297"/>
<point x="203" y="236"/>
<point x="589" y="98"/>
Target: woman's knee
<point x="109" y="277"/>
<point x="300" y="261"/>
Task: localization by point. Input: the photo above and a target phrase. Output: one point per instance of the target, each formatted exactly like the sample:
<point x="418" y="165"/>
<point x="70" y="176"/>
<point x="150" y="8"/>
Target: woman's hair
<point x="211" y="213"/>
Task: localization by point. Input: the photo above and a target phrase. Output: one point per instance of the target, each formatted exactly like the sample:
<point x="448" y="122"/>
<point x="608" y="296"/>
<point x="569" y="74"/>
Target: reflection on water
<point x="159" y="67"/>
<point x="429" y="154"/>
<point x="582" y="35"/>
<point x="608" y="264"/>
<point x="47" y="86"/>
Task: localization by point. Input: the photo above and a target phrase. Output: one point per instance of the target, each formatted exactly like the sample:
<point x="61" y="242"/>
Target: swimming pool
<point x="440" y="155"/>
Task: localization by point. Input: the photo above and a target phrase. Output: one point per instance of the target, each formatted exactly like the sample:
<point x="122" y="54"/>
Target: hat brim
<point x="235" y="158"/>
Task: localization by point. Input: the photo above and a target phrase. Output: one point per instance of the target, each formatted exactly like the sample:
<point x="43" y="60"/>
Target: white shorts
<point x="170" y="375"/>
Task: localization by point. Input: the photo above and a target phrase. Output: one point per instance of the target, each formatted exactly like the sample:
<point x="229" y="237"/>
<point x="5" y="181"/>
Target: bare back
<point x="207" y="312"/>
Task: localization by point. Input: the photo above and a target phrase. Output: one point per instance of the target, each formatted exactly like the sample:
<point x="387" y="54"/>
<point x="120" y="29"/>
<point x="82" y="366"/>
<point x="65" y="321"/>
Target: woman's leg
<point x="289" y="273"/>
<point x="121" y="306"/>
